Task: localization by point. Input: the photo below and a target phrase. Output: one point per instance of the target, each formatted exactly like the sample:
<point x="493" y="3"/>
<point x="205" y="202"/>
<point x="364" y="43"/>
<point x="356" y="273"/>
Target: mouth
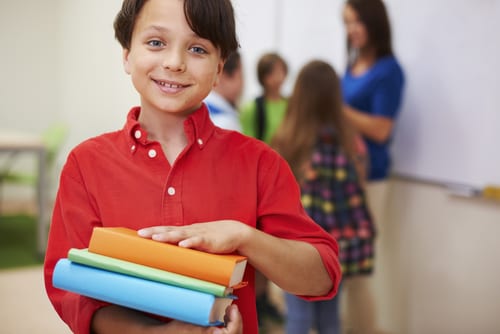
<point x="170" y="87"/>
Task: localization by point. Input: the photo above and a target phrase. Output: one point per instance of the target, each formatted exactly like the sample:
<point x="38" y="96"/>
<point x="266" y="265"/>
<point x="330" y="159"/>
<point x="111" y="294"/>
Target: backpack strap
<point x="260" y="118"/>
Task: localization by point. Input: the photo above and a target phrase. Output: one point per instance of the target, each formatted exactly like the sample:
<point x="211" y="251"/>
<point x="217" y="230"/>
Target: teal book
<point x="165" y="300"/>
<point x="83" y="256"/>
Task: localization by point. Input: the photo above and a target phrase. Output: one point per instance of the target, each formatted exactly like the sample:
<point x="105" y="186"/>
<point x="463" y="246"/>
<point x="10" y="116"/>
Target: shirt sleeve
<point x="388" y="92"/>
<point x="72" y="222"/>
<point x="281" y="214"/>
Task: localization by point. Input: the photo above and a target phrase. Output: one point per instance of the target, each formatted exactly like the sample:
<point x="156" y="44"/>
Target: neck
<point x="273" y="96"/>
<point x="363" y="61"/>
<point x="167" y="129"/>
<point x="367" y="55"/>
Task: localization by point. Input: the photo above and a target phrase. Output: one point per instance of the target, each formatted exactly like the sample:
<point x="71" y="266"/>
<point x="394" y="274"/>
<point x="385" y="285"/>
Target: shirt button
<point x="137" y="134"/>
<point x="132" y="148"/>
<point x="200" y="141"/>
<point x="152" y="153"/>
<point x="171" y="191"/>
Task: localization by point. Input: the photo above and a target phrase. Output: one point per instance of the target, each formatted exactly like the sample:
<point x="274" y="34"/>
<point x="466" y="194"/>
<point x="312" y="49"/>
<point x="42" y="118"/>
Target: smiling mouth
<point x="169" y="85"/>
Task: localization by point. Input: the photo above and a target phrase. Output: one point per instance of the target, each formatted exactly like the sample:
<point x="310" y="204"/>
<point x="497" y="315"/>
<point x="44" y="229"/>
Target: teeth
<point x="162" y="83"/>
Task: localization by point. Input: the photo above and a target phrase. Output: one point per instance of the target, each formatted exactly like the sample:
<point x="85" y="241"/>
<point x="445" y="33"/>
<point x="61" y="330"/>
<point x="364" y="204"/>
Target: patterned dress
<point x="334" y="198"/>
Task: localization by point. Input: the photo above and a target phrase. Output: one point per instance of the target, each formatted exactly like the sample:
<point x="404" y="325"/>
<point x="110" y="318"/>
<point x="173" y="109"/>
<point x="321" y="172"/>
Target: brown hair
<point x="209" y="19"/>
<point x="315" y="104"/>
<point x="233" y="63"/>
<point x="266" y="64"/>
<point x="373" y="14"/>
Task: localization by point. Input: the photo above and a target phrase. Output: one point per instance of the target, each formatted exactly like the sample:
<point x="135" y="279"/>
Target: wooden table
<point x="17" y="142"/>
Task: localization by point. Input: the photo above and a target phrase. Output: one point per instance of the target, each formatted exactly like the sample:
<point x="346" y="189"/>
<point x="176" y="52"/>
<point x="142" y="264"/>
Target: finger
<point x="149" y="231"/>
<point x="170" y="234"/>
<point x="192" y="242"/>
<point x="235" y="322"/>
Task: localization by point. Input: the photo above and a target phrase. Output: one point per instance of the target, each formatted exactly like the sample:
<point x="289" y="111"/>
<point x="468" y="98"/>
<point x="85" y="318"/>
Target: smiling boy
<point x="175" y="177"/>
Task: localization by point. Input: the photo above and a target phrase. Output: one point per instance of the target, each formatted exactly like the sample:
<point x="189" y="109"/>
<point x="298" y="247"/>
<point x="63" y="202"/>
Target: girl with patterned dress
<point x="324" y="155"/>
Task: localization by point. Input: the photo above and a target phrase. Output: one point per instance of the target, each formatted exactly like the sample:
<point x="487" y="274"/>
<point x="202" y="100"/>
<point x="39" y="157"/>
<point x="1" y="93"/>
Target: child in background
<point x="222" y="102"/>
<point x="320" y="147"/>
<point x="173" y="176"/>
<point x="259" y="119"/>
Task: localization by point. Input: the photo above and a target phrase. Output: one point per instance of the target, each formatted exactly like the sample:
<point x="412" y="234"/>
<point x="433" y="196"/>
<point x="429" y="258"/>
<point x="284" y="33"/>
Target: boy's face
<point x="276" y="78"/>
<point x="171" y="67"/>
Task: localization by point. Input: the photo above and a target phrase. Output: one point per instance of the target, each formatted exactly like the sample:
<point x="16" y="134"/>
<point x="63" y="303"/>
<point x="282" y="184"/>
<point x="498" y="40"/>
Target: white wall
<point x="60" y="61"/>
<point x="28" y="63"/>
<point x="95" y="93"/>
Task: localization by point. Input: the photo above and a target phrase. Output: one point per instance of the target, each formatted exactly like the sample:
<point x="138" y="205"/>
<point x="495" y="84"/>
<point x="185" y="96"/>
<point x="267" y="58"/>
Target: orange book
<point x="124" y="244"/>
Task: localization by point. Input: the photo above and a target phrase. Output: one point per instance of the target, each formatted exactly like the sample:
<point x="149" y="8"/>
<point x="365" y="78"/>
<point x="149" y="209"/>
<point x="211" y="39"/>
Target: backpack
<point x="260" y="118"/>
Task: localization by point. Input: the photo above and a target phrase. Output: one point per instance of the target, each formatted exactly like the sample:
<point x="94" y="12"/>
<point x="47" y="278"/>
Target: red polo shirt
<point x="123" y="179"/>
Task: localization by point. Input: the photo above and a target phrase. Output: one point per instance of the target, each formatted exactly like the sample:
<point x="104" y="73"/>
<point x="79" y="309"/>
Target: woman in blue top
<point x="372" y="90"/>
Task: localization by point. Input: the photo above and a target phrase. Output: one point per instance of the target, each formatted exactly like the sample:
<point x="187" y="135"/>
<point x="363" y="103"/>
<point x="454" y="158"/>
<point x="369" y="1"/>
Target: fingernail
<point x="142" y="233"/>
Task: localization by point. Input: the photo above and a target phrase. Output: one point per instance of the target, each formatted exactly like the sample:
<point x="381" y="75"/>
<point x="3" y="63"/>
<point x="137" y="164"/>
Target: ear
<point x="126" y="64"/>
<point x="220" y="67"/>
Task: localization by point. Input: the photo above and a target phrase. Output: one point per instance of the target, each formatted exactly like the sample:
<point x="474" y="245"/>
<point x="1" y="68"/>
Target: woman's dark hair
<point x="373" y="14"/>
<point x="209" y="19"/>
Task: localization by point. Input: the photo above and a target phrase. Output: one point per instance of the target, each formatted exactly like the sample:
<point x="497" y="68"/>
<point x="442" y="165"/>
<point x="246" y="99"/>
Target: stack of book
<point x="125" y="269"/>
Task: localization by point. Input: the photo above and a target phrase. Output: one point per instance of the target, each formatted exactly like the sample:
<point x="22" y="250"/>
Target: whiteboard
<point x="449" y="127"/>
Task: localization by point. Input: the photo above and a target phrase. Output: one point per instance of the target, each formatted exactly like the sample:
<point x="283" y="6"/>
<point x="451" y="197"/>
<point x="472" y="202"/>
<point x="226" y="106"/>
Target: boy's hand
<point x="222" y="236"/>
<point x="234" y="324"/>
<point x="117" y="319"/>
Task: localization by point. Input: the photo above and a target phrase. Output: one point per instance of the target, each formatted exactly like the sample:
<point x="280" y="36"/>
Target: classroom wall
<point x="29" y="87"/>
<point x="444" y="255"/>
<point x="28" y="64"/>
<point x="60" y="61"/>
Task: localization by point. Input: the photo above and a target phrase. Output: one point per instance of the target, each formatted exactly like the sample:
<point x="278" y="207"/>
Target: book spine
<point x="82" y="256"/>
<point x="128" y="246"/>
<point x="136" y="293"/>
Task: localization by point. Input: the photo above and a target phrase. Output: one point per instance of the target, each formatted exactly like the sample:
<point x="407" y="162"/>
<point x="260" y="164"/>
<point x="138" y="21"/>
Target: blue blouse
<point x="378" y="91"/>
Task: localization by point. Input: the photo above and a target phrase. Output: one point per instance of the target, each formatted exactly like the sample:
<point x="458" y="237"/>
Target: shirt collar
<point x="198" y="127"/>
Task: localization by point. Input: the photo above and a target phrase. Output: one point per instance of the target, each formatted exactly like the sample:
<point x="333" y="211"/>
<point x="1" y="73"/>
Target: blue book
<point x="199" y="308"/>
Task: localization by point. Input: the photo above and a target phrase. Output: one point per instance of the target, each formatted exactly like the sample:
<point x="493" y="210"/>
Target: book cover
<point x="124" y="244"/>
<point x="83" y="256"/>
<point x="166" y="300"/>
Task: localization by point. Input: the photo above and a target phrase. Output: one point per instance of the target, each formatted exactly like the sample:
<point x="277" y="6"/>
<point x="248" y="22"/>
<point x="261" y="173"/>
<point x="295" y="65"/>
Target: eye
<point x="197" y="49"/>
<point x="156" y="43"/>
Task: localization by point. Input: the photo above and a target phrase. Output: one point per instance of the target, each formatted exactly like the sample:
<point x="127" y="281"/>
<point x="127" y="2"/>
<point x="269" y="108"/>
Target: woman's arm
<point x="375" y="127"/>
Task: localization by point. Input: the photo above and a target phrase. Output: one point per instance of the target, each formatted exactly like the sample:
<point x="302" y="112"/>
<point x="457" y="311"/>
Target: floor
<point x="24" y="306"/>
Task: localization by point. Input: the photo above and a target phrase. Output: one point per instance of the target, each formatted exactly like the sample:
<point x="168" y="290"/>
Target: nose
<point x="174" y="61"/>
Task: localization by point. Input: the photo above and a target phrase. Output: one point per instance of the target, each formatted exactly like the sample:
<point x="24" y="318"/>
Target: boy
<point x="175" y="177"/>
<point x="261" y="117"/>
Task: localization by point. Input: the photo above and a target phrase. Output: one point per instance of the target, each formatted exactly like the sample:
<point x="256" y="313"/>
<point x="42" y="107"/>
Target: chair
<point x="52" y="138"/>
